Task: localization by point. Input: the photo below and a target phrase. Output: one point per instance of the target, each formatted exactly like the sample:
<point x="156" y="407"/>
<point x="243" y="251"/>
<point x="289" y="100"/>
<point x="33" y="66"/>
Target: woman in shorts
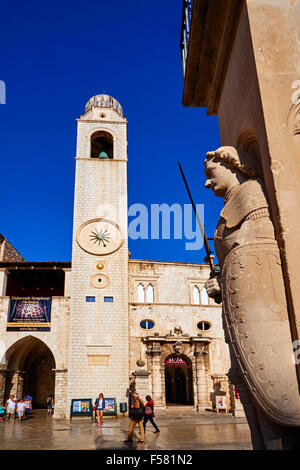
<point x="99" y="405"/>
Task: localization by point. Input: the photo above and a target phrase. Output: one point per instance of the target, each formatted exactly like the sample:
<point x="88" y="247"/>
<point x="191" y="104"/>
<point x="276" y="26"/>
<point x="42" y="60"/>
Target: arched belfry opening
<point x="178" y="380"/>
<point x="30" y="368"/>
<point x="102" y="145"/>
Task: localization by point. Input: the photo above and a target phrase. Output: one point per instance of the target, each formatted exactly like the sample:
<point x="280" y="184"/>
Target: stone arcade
<point x="115" y="322"/>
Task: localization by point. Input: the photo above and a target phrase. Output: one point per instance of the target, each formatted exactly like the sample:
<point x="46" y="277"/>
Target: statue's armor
<point x="244" y="218"/>
<point x="255" y="314"/>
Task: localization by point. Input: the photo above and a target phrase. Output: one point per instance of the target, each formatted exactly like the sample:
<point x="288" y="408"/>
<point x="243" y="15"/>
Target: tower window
<point x="102" y="145"/>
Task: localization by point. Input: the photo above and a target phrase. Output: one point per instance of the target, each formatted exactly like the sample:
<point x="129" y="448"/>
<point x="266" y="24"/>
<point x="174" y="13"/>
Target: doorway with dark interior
<point x="178" y="380"/>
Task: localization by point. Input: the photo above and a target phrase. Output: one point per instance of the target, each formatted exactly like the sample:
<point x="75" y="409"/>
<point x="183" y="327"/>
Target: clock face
<point x="99" y="237"/>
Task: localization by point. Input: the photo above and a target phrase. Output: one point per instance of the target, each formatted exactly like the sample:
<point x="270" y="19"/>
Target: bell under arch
<point x="102" y="145"/>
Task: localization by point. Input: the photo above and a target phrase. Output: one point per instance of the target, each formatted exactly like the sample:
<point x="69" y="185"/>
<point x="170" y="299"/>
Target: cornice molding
<point x="213" y="27"/>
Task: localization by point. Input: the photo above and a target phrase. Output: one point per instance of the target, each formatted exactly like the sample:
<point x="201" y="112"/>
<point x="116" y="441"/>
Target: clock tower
<point x="98" y="338"/>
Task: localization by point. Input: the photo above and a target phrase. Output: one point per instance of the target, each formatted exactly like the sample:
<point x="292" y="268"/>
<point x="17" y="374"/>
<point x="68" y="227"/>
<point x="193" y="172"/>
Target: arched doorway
<point x="178" y="380"/>
<point x="30" y="365"/>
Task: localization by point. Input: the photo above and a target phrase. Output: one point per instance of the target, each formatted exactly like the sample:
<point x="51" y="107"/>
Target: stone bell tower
<point x="98" y="338"/>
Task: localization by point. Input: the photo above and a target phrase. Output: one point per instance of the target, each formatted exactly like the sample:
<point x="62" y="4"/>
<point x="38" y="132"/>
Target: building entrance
<point x="30" y="365"/>
<point x="178" y="380"/>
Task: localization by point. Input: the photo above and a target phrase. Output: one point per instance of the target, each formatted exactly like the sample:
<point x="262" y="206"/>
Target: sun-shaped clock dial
<point x="100" y="237"/>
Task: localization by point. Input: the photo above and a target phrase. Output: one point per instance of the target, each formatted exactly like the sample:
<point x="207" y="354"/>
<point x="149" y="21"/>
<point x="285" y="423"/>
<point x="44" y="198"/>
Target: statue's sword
<point x="214" y="270"/>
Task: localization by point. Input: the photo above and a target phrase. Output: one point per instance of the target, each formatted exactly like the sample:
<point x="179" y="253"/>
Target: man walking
<point x="136" y="414"/>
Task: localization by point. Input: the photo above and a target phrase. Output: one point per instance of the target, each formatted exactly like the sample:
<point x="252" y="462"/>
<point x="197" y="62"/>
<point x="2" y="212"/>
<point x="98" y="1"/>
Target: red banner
<point x="175" y="361"/>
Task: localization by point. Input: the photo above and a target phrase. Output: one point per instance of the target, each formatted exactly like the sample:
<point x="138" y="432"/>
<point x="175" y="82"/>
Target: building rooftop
<point x="35" y="264"/>
<point x="104" y="101"/>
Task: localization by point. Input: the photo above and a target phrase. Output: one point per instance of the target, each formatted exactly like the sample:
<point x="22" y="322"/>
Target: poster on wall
<point x="81" y="407"/>
<point x="221" y="402"/>
<point x="110" y="406"/>
<point x="29" y="314"/>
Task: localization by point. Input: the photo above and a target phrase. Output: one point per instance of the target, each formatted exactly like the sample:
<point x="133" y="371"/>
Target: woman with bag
<point x="136" y="414"/>
<point x="149" y="414"/>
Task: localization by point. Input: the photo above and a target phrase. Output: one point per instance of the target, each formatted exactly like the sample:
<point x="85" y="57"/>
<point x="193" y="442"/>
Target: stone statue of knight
<point x="255" y="317"/>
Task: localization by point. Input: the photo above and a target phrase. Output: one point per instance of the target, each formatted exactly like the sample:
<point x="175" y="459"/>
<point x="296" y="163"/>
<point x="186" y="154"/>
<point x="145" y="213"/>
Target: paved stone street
<point x="205" y="431"/>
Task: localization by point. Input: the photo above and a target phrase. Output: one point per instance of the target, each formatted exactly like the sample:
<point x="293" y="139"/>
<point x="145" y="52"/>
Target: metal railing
<point x="185" y="31"/>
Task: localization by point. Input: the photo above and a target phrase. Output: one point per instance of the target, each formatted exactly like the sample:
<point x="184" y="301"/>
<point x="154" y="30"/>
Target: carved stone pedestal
<point x="142" y="385"/>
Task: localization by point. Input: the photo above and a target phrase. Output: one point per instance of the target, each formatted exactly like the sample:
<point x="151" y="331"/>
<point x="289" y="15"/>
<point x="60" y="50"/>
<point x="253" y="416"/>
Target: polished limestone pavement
<point x="178" y="431"/>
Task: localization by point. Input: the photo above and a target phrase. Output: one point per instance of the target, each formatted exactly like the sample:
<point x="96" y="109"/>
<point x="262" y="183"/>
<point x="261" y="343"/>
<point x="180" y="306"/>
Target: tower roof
<point x="104" y="101"/>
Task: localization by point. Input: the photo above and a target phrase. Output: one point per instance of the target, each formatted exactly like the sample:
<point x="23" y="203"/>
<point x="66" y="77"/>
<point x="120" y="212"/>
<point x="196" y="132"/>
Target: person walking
<point x="99" y="405"/>
<point x="10" y="407"/>
<point x="136" y="414"/>
<point x="2" y="411"/>
<point x="20" y="409"/>
<point x="50" y="404"/>
<point x="149" y="414"/>
<point x="27" y="406"/>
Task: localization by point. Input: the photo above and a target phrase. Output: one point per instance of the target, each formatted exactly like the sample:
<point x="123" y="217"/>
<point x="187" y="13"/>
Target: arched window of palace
<point x="196" y="295"/>
<point x="147" y="324"/>
<point x="150" y="294"/>
<point x="102" y="145"/>
<point x="141" y="293"/>
<point x="204" y="296"/>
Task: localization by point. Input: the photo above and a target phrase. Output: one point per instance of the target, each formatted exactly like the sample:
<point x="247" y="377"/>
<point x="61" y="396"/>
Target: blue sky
<point x="54" y="57"/>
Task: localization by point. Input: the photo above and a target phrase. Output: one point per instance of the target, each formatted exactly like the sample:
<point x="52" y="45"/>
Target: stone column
<point x="20" y="384"/>
<point x="156" y="376"/>
<point x="201" y="380"/>
<point x="2" y="384"/>
<point x="17" y="382"/>
<point x="236" y="406"/>
<point x="60" y="396"/>
<point x="149" y="367"/>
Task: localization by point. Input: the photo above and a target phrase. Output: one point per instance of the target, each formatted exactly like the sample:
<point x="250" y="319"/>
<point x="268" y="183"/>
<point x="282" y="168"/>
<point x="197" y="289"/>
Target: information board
<point x="81" y="407"/>
<point x="110" y="406"/>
